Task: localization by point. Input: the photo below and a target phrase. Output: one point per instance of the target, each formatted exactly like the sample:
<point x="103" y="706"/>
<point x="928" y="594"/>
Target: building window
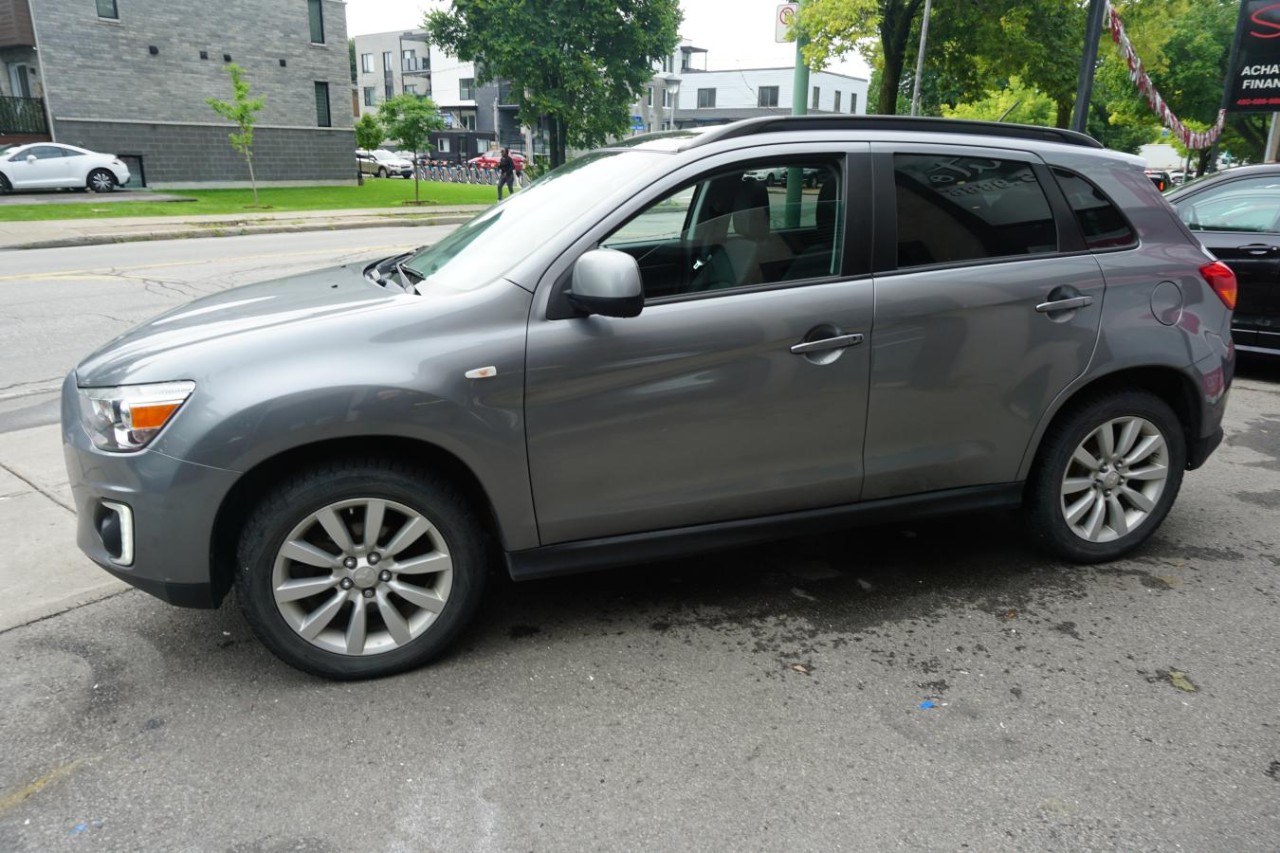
<point x="408" y="60"/>
<point x="386" y="62"/>
<point x="107" y="9"/>
<point x="836" y="107"/>
<point x="853" y="102"/>
<point x="411" y="89"/>
<point x="369" y="96"/>
<point x="390" y="89"/>
<point x="768" y="96"/>
<point x="817" y="96"/>
<point x="443" y="146"/>
<point x="666" y="98"/>
<point x="706" y="98"/>
<point x="366" y="63"/>
<point x="468" y="121"/>
<point x="650" y="96"/>
<point x="322" y="105"/>
<point x="317" y="21"/>
<point x="467" y="89"/>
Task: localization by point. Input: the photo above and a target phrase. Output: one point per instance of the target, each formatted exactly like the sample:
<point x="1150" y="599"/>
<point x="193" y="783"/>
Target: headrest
<point x="751" y="210"/>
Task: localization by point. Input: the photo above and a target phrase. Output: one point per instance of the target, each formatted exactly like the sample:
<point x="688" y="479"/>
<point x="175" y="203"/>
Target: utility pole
<point x="924" y="39"/>
<point x="799" y="107"/>
<point x="1084" y="91"/>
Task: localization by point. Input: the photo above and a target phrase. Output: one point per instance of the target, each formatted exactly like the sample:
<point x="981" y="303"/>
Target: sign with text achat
<point x="1254" y="85"/>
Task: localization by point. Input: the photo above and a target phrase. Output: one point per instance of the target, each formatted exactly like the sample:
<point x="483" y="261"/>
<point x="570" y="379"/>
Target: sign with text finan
<point x="1254" y="85"/>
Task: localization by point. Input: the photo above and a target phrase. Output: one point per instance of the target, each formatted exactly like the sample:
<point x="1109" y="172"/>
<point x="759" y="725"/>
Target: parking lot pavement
<point x="920" y="686"/>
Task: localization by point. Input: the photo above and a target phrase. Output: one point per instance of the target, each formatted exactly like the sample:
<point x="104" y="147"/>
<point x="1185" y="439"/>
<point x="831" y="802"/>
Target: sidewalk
<point x="43" y="573"/>
<point x="52" y="234"/>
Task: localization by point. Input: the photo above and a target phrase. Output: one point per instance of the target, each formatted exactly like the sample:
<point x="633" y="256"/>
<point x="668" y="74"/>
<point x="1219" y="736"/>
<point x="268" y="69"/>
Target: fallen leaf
<point x="801" y="668"/>
<point x="1180" y="681"/>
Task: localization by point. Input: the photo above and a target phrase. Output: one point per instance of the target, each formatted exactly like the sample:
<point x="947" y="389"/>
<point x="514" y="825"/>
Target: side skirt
<point x="609" y="552"/>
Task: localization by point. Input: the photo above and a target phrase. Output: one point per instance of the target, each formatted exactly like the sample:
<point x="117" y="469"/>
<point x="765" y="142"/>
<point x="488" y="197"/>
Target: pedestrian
<point x="506" y="173"/>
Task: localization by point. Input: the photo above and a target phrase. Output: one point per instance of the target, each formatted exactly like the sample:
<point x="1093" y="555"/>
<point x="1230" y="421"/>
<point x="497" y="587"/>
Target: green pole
<point x="799" y="107"/>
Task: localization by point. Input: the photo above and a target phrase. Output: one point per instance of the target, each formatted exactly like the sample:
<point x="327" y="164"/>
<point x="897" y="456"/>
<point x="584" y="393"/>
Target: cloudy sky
<point x="737" y="33"/>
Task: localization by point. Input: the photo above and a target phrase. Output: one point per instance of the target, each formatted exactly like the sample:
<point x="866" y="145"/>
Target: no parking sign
<point x="785" y="17"/>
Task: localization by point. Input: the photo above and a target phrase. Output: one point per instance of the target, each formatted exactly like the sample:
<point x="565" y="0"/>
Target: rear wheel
<point x="360" y="569"/>
<point x="101" y="181"/>
<point x="1106" y="477"/>
<point x="5" y="186"/>
<point x="383" y="173"/>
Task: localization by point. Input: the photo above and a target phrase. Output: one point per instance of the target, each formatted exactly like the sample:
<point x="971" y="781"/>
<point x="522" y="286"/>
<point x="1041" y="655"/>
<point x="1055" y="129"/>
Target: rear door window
<point x="1103" y="224"/>
<point x="959" y="208"/>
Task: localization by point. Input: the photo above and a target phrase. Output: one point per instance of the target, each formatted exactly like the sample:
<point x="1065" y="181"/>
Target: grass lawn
<point x="390" y="193"/>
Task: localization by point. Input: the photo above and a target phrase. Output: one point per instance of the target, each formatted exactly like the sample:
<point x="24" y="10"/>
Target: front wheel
<point x="383" y="173"/>
<point x="361" y="569"/>
<point x="5" y="186"/>
<point x="101" y="181"/>
<point x="1106" y="477"/>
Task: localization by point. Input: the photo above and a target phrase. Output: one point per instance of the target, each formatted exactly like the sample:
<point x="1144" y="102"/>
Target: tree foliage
<point x="409" y="121"/>
<point x="578" y="64"/>
<point x="878" y="30"/>
<point x="242" y="111"/>
<point x="369" y="132"/>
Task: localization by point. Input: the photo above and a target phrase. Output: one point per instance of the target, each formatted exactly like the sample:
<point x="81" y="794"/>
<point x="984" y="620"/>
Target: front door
<point x="40" y="166"/>
<point x="738" y="392"/>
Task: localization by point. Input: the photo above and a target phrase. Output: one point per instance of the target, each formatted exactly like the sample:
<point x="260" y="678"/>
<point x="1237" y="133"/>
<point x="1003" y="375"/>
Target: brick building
<point x="131" y="77"/>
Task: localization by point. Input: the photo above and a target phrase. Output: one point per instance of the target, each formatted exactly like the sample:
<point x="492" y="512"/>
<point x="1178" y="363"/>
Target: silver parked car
<point x="646" y="353"/>
<point x="384" y="164"/>
<point x="53" y="165"/>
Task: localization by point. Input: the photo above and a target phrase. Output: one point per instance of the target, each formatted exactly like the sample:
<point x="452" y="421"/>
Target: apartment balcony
<point x="23" y="116"/>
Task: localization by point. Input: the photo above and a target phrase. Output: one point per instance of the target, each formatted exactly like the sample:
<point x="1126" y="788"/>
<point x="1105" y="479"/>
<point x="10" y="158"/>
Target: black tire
<point x="771" y="180"/>
<point x="383" y="173"/>
<point x="5" y="186"/>
<point x="1046" y="506"/>
<point x="101" y="181"/>
<point x="294" y="501"/>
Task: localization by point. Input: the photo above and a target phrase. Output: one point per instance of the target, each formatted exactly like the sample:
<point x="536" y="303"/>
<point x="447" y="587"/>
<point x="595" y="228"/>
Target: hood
<point x="273" y="307"/>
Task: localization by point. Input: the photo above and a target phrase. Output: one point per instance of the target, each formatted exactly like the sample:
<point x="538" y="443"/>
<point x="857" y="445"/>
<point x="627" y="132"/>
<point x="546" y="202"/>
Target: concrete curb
<point x="214" y="229"/>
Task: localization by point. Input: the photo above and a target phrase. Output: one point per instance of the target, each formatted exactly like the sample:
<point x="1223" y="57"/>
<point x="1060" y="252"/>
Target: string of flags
<point x="1193" y="139"/>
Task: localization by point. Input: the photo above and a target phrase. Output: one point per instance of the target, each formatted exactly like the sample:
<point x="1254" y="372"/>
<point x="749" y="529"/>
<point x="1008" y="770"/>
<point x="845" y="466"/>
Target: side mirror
<point x="607" y="282"/>
<point x="31" y="158"/>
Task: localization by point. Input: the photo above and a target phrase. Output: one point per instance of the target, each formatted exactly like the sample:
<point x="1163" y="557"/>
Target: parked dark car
<point x="649" y="354"/>
<point x="1236" y="214"/>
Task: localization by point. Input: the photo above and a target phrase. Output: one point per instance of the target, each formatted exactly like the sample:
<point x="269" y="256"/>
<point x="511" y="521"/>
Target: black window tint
<point x="46" y="152"/>
<point x="956" y="208"/>
<point x="1103" y="225"/>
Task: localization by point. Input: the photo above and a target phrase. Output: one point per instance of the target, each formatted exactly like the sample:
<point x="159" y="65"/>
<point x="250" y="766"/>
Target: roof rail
<point x="920" y="124"/>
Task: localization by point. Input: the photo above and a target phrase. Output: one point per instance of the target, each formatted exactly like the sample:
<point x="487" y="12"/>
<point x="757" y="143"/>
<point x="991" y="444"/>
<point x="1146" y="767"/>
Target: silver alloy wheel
<point x="362" y="577"/>
<point x="1114" y="479"/>
<point x="101" y="181"/>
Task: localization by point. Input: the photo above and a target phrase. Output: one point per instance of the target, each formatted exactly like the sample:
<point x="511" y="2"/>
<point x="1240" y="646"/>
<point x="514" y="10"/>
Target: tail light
<point x="1222" y="280"/>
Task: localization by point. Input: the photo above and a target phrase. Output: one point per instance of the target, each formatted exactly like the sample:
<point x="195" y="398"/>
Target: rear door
<point x="1239" y="221"/>
<point x="987" y="306"/>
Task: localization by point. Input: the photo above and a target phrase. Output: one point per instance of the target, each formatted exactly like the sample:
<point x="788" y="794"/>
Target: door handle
<point x="1257" y="248"/>
<point x="837" y="342"/>
<point x="1070" y="304"/>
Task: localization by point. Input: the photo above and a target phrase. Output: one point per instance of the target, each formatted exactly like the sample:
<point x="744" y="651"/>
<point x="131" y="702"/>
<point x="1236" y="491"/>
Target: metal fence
<point x="22" y="115"/>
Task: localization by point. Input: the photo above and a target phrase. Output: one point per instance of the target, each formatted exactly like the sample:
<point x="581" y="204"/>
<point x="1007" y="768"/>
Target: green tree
<point x="877" y="30"/>
<point x="1016" y="103"/>
<point x="409" y="121"/>
<point x="369" y="132"/>
<point x="578" y="64"/>
<point x="242" y="111"/>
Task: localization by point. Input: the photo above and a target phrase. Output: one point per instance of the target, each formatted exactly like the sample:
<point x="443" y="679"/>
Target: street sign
<point x="637" y="122"/>
<point x="782" y="21"/>
<point x="1254" y="85"/>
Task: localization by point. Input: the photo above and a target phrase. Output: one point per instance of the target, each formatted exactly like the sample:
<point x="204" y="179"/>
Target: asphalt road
<point x="922" y="686"/>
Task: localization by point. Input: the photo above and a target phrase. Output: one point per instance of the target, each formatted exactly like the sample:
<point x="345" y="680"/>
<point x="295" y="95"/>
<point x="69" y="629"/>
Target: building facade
<point x="132" y="78"/>
<point x="477" y="116"/>
<point x="683" y="93"/>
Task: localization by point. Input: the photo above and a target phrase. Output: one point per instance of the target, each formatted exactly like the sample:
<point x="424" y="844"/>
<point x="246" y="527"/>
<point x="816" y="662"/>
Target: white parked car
<point x="383" y="163"/>
<point x="50" y="165"/>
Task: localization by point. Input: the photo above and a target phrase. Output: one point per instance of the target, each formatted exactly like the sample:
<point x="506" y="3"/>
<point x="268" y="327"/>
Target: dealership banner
<point x="1254" y="85"/>
<point x="1193" y="139"/>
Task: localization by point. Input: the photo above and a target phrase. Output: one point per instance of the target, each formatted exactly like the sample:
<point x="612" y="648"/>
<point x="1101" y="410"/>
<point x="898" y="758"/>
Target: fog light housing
<point x="114" y="523"/>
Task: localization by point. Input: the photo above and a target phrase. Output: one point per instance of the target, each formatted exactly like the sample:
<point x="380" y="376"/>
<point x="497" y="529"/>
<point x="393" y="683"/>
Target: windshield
<point x="498" y="239"/>
<point x="384" y="155"/>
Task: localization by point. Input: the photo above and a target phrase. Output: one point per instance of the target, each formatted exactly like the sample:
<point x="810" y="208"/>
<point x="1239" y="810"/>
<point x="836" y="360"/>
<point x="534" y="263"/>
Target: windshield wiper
<point x="406" y="273"/>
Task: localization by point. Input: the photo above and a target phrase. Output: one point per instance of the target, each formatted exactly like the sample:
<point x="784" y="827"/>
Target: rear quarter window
<point x="1101" y="221"/>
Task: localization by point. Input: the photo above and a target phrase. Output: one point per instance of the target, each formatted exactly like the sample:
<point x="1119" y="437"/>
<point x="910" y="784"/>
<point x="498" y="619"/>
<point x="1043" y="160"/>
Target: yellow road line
<point x="96" y="273"/>
<point x="30" y="790"/>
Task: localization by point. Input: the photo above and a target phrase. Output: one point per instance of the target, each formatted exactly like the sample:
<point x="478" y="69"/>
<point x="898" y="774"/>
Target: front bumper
<point x="171" y="507"/>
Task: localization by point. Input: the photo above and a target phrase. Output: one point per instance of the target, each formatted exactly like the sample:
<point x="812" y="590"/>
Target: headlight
<point x="125" y="418"/>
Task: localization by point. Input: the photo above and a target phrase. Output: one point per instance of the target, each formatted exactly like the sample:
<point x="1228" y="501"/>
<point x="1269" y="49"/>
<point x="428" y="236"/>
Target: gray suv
<point x="649" y="353"/>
